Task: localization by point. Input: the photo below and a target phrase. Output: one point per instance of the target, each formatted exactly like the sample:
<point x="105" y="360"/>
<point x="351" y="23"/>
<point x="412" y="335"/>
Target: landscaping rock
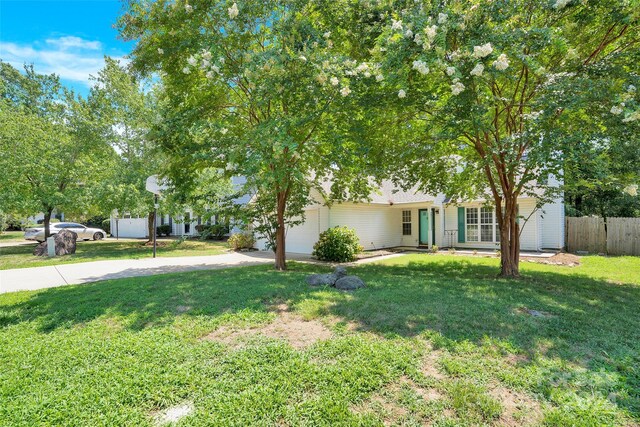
<point x="321" y="279"/>
<point x="340" y="272"/>
<point x="328" y="279"/>
<point x="349" y="283"/>
<point x="65" y="242"/>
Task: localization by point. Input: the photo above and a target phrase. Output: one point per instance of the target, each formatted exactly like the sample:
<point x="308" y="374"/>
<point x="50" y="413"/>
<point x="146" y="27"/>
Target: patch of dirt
<point x="386" y="402"/>
<point x="562" y="258"/>
<point x="183" y="308"/>
<point x="172" y="415"/>
<point x="519" y="409"/>
<point x="430" y="365"/>
<point x="299" y="333"/>
<point x="158" y="244"/>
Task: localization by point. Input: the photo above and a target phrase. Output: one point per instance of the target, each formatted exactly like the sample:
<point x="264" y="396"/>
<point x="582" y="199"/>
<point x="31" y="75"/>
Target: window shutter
<point x="461" y="221"/>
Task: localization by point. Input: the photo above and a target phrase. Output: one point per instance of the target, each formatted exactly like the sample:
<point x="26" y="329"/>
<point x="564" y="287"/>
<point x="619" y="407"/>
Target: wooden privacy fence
<point x="615" y="236"/>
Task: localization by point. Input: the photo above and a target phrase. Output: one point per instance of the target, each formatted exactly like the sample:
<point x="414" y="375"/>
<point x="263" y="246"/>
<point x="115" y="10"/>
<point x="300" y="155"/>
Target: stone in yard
<point x="340" y="272"/>
<point x="349" y="283"/>
<point x="321" y="279"/>
<point x="65" y="242"/>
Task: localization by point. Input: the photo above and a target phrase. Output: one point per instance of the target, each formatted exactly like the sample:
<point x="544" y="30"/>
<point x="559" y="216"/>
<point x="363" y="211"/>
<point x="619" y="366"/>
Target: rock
<point x="321" y="279"/>
<point x="349" y="283"/>
<point x="582" y="252"/>
<point x="340" y="272"/>
<point x="65" y="242"/>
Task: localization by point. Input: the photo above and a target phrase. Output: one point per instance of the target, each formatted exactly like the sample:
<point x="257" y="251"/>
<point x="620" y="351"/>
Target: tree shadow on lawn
<point x="592" y="323"/>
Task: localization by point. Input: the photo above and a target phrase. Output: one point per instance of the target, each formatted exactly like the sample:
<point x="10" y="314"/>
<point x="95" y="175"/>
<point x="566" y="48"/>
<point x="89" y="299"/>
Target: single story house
<point x="397" y="218"/>
<point x="394" y="218"/>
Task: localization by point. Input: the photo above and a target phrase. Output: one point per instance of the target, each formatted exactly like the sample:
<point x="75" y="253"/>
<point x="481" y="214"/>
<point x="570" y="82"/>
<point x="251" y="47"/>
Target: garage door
<point x="301" y="239"/>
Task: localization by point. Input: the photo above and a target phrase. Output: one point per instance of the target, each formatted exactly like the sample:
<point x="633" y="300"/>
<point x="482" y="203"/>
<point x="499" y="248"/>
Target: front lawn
<point x="11" y="236"/>
<point x="22" y="256"/>
<point x="432" y="340"/>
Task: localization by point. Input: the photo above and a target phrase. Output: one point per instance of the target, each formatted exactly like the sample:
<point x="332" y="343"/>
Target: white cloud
<point x="70" y="42"/>
<point x="72" y="58"/>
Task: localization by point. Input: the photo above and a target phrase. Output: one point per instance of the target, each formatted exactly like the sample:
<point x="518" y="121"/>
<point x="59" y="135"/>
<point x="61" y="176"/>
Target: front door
<point x="423" y="226"/>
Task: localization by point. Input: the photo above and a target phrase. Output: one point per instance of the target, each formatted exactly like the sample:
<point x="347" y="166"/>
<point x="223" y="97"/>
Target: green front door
<point x="423" y="227"/>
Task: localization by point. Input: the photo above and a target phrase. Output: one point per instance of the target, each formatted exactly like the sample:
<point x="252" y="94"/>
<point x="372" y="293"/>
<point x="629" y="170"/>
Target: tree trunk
<point x="47" y="223"/>
<point x="281" y="259"/>
<point x="150" y="222"/>
<point x="509" y="240"/>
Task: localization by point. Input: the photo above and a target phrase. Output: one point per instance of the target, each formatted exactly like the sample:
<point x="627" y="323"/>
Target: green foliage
<point x="106" y="225"/>
<point x="213" y="231"/>
<point x="54" y="150"/>
<point x="337" y="244"/>
<point x="242" y="240"/>
<point x="163" y="230"/>
<point x="256" y="100"/>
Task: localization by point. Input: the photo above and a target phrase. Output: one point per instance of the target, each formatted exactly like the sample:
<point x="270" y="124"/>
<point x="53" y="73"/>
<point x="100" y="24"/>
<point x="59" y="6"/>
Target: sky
<point x="68" y="38"/>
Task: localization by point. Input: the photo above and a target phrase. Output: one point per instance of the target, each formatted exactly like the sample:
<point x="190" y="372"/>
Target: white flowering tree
<point x="489" y="95"/>
<point x="258" y="89"/>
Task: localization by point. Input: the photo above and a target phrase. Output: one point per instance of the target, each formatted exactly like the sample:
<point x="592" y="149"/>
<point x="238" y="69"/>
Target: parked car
<point x="83" y="232"/>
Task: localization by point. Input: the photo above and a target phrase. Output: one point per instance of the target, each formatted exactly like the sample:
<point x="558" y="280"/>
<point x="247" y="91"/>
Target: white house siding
<point x="529" y="240"/>
<point x="411" y="240"/>
<point x="377" y="226"/>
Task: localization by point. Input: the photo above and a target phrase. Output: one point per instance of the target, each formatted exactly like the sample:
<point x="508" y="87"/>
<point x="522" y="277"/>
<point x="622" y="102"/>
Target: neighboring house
<point x="181" y="225"/>
<point x="396" y="218"/>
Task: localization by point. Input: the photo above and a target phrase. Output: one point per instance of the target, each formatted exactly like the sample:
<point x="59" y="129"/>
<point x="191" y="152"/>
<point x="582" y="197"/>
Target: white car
<point x="83" y="232"/>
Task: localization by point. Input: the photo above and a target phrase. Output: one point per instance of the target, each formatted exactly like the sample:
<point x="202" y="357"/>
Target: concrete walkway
<point x="34" y="278"/>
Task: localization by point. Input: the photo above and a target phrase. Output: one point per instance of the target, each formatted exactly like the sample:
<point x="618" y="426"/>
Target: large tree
<point x="254" y="89"/>
<point x="129" y="105"/>
<point x="490" y="96"/>
<point x="52" y="144"/>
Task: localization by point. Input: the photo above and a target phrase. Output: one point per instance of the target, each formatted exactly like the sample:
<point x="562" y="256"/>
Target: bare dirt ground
<point x="562" y="258"/>
<point x="299" y="333"/>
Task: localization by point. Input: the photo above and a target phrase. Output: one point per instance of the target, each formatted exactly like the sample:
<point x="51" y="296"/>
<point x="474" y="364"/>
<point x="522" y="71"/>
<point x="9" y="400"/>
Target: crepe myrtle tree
<point x="487" y="94"/>
<point x="255" y="89"/>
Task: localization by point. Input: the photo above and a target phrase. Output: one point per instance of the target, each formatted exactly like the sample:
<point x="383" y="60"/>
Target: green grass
<point x="432" y="340"/>
<point x="22" y="256"/>
<point x="11" y="236"/>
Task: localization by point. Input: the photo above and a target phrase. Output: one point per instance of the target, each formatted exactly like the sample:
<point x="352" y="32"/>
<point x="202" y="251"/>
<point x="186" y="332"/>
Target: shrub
<point x="338" y="244"/>
<point x="163" y="230"/>
<point x="106" y="225"/>
<point x="244" y="240"/>
<point x="213" y="231"/>
<point x="434" y="248"/>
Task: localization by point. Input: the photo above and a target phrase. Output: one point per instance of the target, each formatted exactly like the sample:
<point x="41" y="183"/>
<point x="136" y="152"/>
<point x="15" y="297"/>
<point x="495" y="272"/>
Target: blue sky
<point x="69" y="38"/>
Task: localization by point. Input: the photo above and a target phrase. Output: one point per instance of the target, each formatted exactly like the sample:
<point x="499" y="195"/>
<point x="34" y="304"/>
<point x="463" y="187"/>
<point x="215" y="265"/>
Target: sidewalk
<point x="34" y="278"/>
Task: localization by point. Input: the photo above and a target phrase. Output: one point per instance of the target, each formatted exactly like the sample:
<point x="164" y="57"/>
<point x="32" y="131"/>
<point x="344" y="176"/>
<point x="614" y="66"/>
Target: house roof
<point x="390" y="194"/>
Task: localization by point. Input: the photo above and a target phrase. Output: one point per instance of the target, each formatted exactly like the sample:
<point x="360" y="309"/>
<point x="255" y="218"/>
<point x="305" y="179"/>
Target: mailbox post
<point x="155" y="186"/>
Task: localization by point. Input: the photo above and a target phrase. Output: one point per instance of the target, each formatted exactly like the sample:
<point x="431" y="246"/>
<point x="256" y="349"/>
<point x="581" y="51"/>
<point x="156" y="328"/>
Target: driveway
<point x="34" y="278"/>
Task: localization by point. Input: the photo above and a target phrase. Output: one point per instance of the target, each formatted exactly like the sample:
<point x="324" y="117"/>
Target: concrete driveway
<point x="34" y="278"/>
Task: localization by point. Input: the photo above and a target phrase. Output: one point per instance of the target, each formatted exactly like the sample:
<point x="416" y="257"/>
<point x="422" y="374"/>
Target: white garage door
<point x="301" y="239"/>
<point x="130" y="227"/>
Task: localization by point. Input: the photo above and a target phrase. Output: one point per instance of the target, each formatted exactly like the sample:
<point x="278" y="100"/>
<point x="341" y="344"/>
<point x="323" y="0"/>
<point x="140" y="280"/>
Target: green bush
<point x="106" y="225"/>
<point x="244" y="240"/>
<point x="338" y="244"/>
<point x="163" y="230"/>
<point x="213" y="231"/>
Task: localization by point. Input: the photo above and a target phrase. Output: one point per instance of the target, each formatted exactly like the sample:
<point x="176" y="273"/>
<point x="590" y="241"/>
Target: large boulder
<point x="321" y="279"/>
<point x="349" y="283"/>
<point x="65" y="242"/>
<point x="328" y="279"/>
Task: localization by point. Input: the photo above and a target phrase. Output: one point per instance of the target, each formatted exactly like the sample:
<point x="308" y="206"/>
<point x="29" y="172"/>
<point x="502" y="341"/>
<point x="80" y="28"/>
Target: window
<point x="472" y="224"/>
<point x="486" y="225"/>
<point x="406" y="223"/>
<point x="482" y="225"/>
